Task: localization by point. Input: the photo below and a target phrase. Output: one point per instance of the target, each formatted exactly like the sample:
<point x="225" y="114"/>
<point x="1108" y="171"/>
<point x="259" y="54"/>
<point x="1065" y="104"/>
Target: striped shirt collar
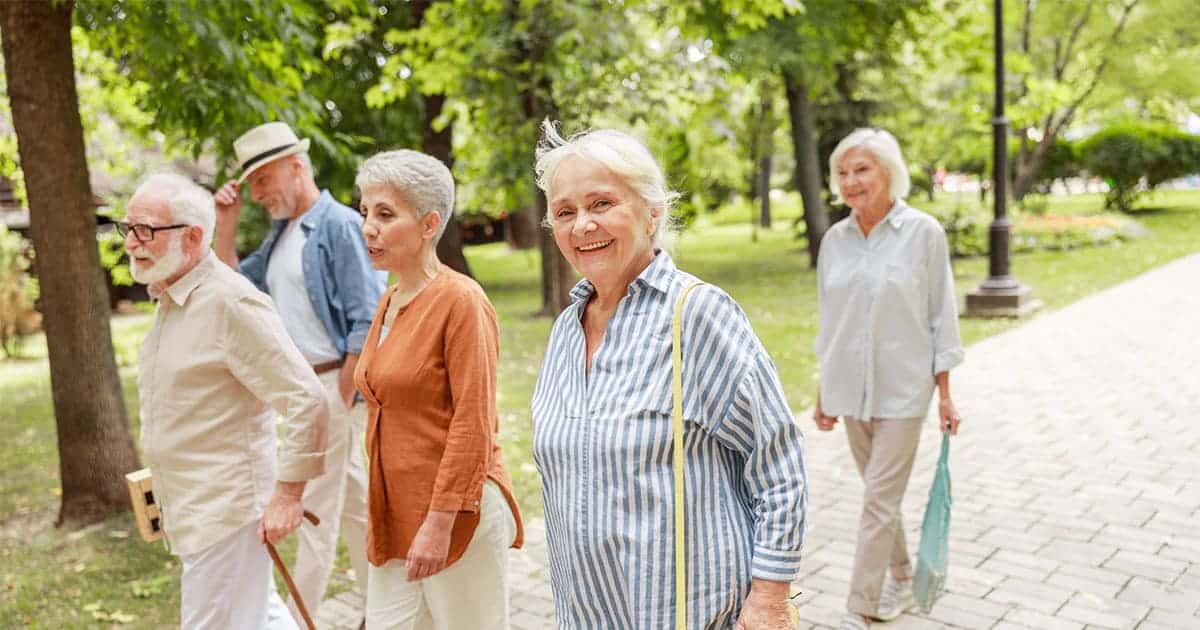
<point x="657" y="275"/>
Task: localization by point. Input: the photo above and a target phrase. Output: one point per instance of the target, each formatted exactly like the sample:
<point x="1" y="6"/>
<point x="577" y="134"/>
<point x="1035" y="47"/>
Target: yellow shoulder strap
<point x="677" y="437"/>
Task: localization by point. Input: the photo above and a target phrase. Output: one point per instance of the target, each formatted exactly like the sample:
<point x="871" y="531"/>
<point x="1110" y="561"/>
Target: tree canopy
<point x="733" y="96"/>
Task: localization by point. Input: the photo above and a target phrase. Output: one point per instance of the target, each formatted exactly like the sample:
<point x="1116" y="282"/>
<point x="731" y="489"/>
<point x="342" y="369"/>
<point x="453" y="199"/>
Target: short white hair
<point x="885" y="148"/>
<point x="306" y="162"/>
<point x="422" y="179"/>
<point x="188" y="202"/>
<point x="620" y="153"/>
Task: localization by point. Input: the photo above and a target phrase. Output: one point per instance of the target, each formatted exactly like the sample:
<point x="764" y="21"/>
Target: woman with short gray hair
<point x="603" y="418"/>
<point x="441" y="512"/>
<point x="887" y="337"/>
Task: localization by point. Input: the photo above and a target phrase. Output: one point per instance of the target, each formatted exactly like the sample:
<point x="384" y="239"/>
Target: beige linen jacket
<point x="215" y="369"/>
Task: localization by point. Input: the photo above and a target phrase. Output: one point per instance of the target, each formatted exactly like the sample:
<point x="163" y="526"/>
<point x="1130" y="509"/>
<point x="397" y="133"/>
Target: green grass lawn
<point x="106" y="576"/>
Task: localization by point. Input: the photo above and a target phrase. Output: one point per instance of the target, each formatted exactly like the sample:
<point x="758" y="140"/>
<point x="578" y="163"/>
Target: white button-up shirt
<point x="215" y="365"/>
<point x="888" y="315"/>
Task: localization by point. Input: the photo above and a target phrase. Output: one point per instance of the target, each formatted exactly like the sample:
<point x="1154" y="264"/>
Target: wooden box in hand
<point x="145" y="510"/>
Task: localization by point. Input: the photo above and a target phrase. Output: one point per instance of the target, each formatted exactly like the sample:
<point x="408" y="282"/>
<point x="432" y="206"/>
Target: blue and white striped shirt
<point x="602" y="443"/>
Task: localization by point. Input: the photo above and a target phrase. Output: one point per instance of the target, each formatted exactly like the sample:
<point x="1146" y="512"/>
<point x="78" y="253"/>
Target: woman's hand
<point x="766" y="607"/>
<point x="824" y="422"/>
<point x="949" y="416"/>
<point x="427" y="554"/>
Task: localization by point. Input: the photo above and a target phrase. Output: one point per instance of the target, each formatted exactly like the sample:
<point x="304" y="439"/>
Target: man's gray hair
<point x="189" y="202"/>
<point x="885" y="148"/>
<point x="306" y="162"/>
<point x="421" y="179"/>
<point x="620" y="153"/>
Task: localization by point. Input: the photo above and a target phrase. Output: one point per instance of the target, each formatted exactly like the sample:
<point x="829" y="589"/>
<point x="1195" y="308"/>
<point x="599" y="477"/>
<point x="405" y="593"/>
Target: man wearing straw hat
<point x="315" y="267"/>
<point x="214" y="372"/>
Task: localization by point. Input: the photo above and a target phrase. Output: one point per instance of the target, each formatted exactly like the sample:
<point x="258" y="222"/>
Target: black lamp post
<point x="1000" y="295"/>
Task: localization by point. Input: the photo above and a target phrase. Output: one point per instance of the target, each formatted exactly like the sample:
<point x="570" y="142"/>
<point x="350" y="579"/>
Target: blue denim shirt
<point x="342" y="285"/>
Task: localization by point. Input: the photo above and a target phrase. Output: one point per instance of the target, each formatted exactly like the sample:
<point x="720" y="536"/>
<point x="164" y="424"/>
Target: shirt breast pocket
<point x="901" y="274"/>
<point x="903" y="282"/>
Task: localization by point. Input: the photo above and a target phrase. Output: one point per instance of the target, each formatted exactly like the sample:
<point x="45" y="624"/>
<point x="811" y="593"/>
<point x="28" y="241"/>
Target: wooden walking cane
<point x="287" y="578"/>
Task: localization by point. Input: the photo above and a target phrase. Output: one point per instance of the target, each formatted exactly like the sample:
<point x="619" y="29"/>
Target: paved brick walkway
<point x="1076" y="478"/>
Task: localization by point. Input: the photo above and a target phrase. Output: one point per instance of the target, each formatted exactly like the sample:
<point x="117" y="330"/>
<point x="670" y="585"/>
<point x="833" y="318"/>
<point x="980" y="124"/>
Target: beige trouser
<point x="884" y="451"/>
<point x="471" y="593"/>
<point x="230" y="586"/>
<point x="339" y="498"/>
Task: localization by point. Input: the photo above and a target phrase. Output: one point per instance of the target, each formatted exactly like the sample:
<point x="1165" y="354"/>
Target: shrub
<point x="1134" y="157"/>
<point x="18" y="292"/>
<point x="967" y="230"/>
<point x="1034" y="204"/>
<point x="920" y="182"/>
<point x="966" y="234"/>
<point x="1061" y="162"/>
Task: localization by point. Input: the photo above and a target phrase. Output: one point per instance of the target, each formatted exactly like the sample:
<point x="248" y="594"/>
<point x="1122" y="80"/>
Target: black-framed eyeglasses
<point x="142" y="232"/>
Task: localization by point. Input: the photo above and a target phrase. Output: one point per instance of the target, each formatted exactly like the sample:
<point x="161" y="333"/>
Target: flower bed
<point x="968" y="234"/>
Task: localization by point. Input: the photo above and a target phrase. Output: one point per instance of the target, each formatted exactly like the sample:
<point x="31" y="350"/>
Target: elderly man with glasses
<point x="314" y="265"/>
<point x="216" y="369"/>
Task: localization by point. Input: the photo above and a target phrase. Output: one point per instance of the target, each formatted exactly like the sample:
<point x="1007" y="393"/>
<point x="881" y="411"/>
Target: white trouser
<point x="339" y="498"/>
<point x="231" y="586"/>
<point x="471" y="593"/>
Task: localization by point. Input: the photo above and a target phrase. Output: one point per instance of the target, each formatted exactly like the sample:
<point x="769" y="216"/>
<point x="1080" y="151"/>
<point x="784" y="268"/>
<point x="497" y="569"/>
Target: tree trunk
<point x="522" y="229"/>
<point x="450" y="248"/>
<point x="537" y="103"/>
<point x="95" y="449"/>
<point x="760" y="150"/>
<point x="931" y="177"/>
<point x="808" y="168"/>
<point x="1029" y="165"/>
<point x="439" y="144"/>
<point x="764" y="189"/>
<point x="557" y="275"/>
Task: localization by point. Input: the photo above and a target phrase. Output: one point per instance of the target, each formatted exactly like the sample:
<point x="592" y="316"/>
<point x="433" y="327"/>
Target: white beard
<point x="164" y="267"/>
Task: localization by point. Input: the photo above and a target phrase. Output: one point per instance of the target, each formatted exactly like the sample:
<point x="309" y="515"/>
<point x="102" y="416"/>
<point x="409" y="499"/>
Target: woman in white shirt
<point x="888" y="338"/>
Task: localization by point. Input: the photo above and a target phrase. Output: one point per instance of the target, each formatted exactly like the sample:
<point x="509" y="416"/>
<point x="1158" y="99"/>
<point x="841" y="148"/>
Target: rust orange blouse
<point x="431" y="415"/>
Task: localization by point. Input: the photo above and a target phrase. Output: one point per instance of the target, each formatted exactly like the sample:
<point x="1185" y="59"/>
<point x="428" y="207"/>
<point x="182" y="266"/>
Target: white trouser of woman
<point x="231" y="586"/>
<point x="471" y="593"/>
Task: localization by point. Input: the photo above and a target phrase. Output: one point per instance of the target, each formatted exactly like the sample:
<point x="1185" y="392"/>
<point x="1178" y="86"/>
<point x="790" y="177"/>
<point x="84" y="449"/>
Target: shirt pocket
<point x="903" y="286"/>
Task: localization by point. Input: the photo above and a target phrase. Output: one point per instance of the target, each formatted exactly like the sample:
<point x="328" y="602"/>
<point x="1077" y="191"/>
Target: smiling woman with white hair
<point x="888" y="335"/>
<point x="441" y="512"/>
<point x="604" y="418"/>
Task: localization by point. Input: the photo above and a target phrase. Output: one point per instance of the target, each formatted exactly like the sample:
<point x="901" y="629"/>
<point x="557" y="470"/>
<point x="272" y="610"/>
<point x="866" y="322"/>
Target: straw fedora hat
<point x="266" y="143"/>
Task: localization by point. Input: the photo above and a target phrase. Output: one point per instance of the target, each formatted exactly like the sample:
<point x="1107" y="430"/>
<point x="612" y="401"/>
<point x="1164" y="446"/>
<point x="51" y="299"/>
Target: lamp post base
<point x="1015" y="302"/>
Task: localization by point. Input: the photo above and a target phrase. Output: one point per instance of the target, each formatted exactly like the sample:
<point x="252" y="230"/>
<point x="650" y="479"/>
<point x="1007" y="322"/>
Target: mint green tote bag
<point x="934" y="555"/>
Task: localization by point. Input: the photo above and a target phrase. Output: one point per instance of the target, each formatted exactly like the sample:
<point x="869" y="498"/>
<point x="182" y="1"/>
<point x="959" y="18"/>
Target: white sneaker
<point x="854" y="621"/>
<point x="897" y="597"/>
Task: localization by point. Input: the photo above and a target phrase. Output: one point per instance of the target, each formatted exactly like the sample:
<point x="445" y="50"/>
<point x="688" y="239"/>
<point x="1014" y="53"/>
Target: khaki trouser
<point x="339" y="498"/>
<point x="884" y="451"/>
